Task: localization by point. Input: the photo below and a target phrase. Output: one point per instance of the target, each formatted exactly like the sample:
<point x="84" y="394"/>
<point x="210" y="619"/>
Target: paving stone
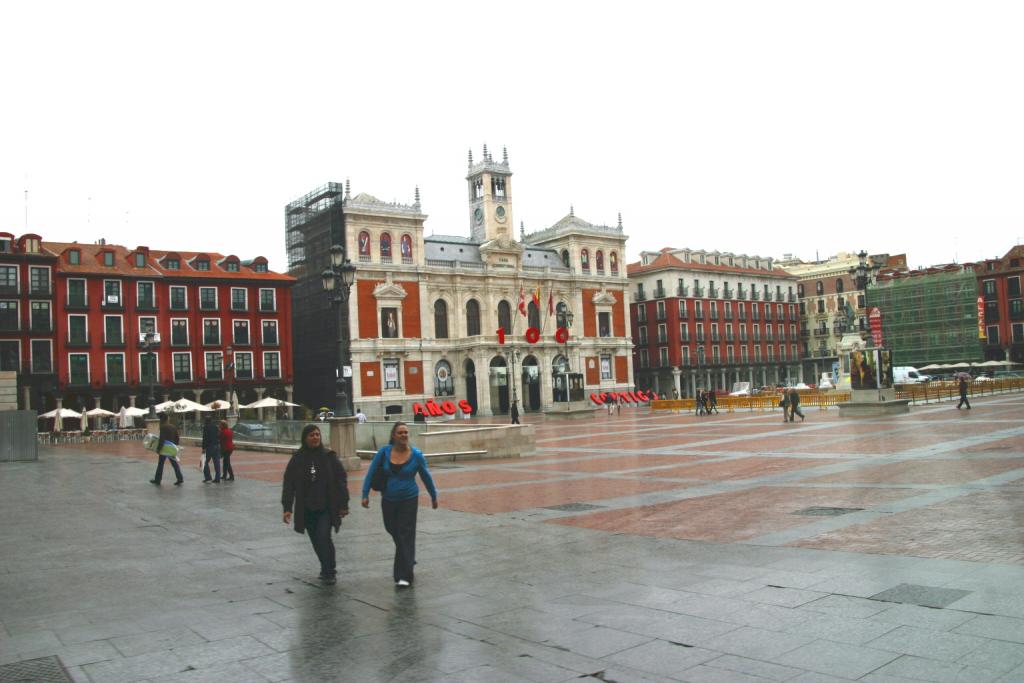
<point x="926" y="596"/>
<point x="836" y="659"/>
<point x="154" y="641"/>
<point x="78" y="654"/>
<point x="753" y="667"/>
<point x="923" y="617"/>
<point x="597" y="641"/>
<point x="921" y="669"/>
<point x="840" y="629"/>
<point x="999" y="628"/>
<point x="702" y="673"/>
<point x="941" y="645"/>
<point x="786" y="597"/>
<point x="662" y="657"/>
<point x="28" y="642"/>
<point x="845" y="606"/>
<point x="995" y="655"/>
<point x="130" y="669"/>
<point x="756" y="643"/>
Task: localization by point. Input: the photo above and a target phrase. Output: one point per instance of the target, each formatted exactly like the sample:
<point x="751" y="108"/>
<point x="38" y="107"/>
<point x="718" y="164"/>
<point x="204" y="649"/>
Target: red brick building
<point x="711" y="319"/>
<point x="204" y="309"/>
<point x="26" y="314"/>
<point x="999" y="284"/>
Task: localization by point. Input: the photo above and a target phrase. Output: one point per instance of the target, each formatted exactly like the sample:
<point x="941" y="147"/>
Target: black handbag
<point x="379" y="480"/>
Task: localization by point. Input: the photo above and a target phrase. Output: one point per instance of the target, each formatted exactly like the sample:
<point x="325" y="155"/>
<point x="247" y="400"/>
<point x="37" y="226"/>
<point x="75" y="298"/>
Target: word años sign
<point x="626" y="396"/>
<point x="433" y="409"/>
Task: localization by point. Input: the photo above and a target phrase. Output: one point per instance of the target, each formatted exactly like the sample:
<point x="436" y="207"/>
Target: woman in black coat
<point x="316" y="486"/>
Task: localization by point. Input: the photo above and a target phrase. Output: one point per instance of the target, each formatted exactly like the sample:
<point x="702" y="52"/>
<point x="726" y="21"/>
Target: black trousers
<point x="318" y="528"/>
<point x="160" y="469"/>
<point x="963" y="401"/>
<point x="400" y="522"/>
<point x="229" y="471"/>
<point x="213" y="455"/>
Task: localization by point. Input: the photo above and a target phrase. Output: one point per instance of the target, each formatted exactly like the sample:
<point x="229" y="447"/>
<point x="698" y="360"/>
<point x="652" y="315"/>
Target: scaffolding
<point x="307" y="210"/>
<point x="929" y="317"/>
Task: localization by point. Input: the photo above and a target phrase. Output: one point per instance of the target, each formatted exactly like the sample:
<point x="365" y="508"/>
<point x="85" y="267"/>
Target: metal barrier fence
<point x="762" y="402"/>
<point x="930" y="392"/>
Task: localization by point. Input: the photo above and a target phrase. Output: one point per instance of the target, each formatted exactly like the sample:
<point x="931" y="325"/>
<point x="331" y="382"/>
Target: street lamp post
<point x="513" y="356"/>
<point x="337" y="281"/>
<point x="863" y="275"/>
<point x="568" y="325"/>
<point x="229" y="368"/>
<point x="147" y="344"/>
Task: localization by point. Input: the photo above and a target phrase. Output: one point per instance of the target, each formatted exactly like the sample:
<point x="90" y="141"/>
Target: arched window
<point x="440" y="319"/>
<point x="613" y="261"/>
<point x="472" y="318"/>
<point x="364" y="245"/>
<point x="799" y="290"/>
<point x="560" y="310"/>
<point x="406" y="249"/>
<point x="565" y="257"/>
<point x="839" y="284"/>
<point x="385" y="247"/>
<point x="600" y="260"/>
<point x="444" y="383"/>
<point x="505" y="316"/>
<point x="585" y="259"/>
<point x="819" y="287"/>
<point x="533" y="315"/>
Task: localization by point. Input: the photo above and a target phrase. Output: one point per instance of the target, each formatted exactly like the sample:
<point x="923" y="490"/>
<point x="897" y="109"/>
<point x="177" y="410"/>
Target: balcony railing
<point x="768" y="296"/>
<point x="659" y="292"/>
<point x="40" y="289"/>
<point x="727" y="293"/>
<point x="715" y="338"/>
<point x="661" y="316"/>
<point x="755" y="295"/>
<point x="682" y="290"/>
<point x="791" y="298"/>
<point x="639" y="296"/>
<point x="8" y="290"/>
<point x="821" y="332"/>
<point x="713" y="292"/>
<point x="714" y="315"/>
<point x="741" y="293"/>
<point x="698" y="292"/>
<point x="662" y="338"/>
<point x="700" y="338"/>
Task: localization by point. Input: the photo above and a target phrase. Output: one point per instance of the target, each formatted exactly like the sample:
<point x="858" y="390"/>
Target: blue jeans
<point x="213" y="455"/>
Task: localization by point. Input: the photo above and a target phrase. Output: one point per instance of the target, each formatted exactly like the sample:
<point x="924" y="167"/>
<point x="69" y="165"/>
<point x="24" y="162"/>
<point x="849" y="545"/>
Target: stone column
<point x="131" y="400"/>
<point x="289" y="392"/>
<point x="343" y="441"/>
<point x="547" y="402"/>
<point x="259" y="397"/>
<point x="26" y="398"/>
<point x="676" y="373"/>
<point x="483" y="385"/>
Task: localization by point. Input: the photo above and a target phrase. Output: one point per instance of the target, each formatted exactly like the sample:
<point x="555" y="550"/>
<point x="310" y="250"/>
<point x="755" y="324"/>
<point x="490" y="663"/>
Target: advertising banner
<point x="981" y="317"/>
<point x="875" y="325"/>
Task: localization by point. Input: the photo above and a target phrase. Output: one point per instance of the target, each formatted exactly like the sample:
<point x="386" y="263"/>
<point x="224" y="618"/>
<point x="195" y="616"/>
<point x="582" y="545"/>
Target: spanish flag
<point x="536" y="297"/>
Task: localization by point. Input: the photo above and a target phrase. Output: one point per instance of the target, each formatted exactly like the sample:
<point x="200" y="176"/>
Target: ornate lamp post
<point x="568" y="325"/>
<point x="513" y="357"/>
<point x="337" y="281"/>
<point x="147" y="344"/>
<point x="229" y="369"/>
<point x="863" y="275"/>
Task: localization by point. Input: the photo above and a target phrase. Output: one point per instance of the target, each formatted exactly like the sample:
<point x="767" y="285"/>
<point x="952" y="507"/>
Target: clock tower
<point x="490" y="198"/>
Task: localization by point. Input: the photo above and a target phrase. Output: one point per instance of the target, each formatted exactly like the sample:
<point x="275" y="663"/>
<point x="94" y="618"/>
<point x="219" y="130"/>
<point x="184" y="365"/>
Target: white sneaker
<point x="402" y="583"/>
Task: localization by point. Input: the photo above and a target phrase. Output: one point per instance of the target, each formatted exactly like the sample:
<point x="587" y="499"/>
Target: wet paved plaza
<point x="637" y="547"/>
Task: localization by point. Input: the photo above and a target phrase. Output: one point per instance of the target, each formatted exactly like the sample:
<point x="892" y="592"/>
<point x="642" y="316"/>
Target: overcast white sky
<point x="757" y="127"/>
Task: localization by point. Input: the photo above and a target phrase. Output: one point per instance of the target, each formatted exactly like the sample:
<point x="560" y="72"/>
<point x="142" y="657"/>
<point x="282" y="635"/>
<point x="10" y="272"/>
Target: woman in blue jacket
<point x="399" y="499"/>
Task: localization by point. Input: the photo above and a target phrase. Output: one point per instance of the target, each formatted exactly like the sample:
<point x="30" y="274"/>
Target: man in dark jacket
<point x="316" y="487"/>
<point x="963" y="394"/>
<point x="211" y="448"/>
<point x="794" y="405"/>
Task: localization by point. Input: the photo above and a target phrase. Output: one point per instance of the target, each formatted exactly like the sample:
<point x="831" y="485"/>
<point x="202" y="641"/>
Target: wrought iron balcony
<point x="659" y="292"/>
<point x="682" y="290"/>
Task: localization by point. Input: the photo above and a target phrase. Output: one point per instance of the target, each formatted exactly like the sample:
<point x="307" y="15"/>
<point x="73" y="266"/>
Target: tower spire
<point x="620" y="221"/>
<point x="504" y="155"/>
<point x="416" y="202"/>
<point x="486" y="155"/>
<point x="522" y="232"/>
<point x="471" y="158"/>
<point x="348" y="189"/>
<point x="572" y="211"/>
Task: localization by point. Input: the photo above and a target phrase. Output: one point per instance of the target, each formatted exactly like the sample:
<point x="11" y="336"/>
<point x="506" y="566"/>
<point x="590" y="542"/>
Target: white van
<point x="906" y="374"/>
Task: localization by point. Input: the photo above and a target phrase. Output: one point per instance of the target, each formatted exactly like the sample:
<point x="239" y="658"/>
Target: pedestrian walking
<point x="399" y="497"/>
<point x="784" y="404"/>
<point x="316" y="488"/>
<point x="963" y="394"/>
<point x="515" y="412"/>
<point x="698" y="403"/>
<point x="211" y="450"/>
<point x="794" y="405"/>
<point x="227" y="447"/>
<point x="618" y="405"/>
<point x="360" y="416"/>
<point x="168" y="434"/>
<point x="712" y="401"/>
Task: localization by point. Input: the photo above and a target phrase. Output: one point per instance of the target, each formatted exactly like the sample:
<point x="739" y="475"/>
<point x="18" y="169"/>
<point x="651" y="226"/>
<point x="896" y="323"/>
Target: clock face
<point x="478" y="215"/>
<point x="499" y="213"/>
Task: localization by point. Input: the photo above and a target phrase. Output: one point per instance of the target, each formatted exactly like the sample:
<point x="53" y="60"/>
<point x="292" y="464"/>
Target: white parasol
<point x="64" y="412"/>
<point x="184" y="405"/>
<point x="219" y="404"/>
<point x="270" y="402"/>
<point x="136" y="412"/>
<point x="99" y="412"/>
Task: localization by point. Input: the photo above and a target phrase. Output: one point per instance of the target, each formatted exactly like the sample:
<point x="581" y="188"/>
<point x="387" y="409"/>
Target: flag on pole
<point x="536" y="298"/>
<point x="522" y="301"/>
<point x="551" y="301"/>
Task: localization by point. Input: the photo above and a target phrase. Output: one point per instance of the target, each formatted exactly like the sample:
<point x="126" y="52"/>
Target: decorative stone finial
<point x="486" y="155"/>
<point x="504" y="156"/>
<point x="348" y="189"/>
<point x="416" y="202"/>
<point x="522" y="232"/>
<point x="620" y="221"/>
<point x="572" y="211"/>
<point x="471" y="158"/>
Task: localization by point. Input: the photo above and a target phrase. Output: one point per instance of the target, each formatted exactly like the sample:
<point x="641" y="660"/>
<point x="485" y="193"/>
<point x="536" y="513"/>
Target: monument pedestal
<point x="343" y="441"/>
<point x="873" y="403"/>
<point x="574" y="411"/>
